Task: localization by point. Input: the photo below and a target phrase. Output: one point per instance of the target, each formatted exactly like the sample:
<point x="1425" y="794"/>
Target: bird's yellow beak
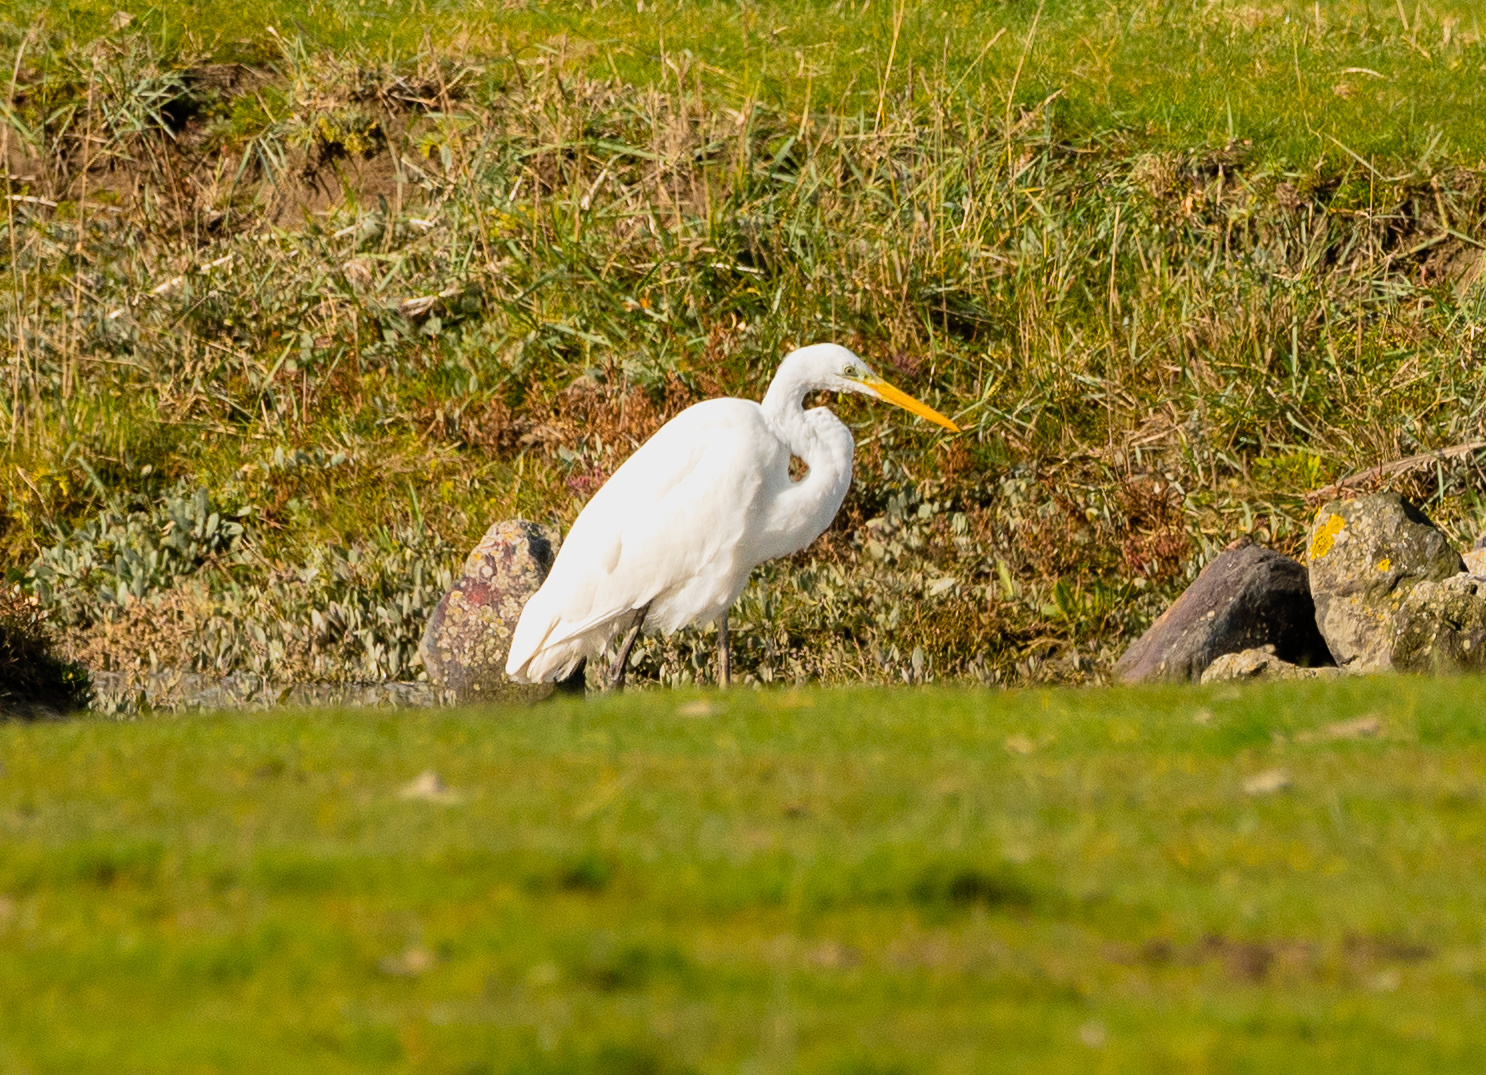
<point x="887" y="392"/>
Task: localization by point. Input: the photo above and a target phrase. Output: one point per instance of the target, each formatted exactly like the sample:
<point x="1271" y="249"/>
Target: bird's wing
<point x="677" y="508"/>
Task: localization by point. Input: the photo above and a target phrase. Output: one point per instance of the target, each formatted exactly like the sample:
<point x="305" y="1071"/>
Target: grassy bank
<point x="833" y="882"/>
<point x="291" y="316"/>
<point x="1383" y="79"/>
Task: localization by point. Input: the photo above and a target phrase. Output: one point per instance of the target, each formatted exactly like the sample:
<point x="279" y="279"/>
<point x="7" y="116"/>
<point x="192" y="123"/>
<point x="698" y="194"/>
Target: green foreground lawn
<point x="842" y="882"/>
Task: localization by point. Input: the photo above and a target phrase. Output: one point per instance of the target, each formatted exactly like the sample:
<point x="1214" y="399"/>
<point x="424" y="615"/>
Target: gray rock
<point x="1365" y="557"/>
<point x="1441" y="626"/>
<point x="388" y="694"/>
<point x="469" y="634"/>
<point x="1249" y="596"/>
<point x="11" y="709"/>
<point x="174" y="689"/>
<point x="1475" y="561"/>
<point x="177" y="689"/>
<point x="1261" y="663"/>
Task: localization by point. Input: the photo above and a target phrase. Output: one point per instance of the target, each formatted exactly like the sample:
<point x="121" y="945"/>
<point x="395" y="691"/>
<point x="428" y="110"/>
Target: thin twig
<point x="1394" y="469"/>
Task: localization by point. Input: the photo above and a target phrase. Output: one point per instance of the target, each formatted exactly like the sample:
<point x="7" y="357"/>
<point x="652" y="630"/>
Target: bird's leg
<point x="616" y="676"/>
<point x="724" y="665"/>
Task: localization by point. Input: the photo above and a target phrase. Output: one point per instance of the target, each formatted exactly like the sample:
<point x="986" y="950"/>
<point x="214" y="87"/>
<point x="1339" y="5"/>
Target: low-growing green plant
<point x="179" y="582"/>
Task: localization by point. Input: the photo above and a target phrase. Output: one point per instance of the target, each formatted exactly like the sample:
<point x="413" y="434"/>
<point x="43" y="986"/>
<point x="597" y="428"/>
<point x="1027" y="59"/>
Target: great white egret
<point x="671" y="538"/>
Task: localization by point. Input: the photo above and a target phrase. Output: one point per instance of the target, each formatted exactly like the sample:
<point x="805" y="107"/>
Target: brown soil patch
<point x="193" y="178"/>
<point x="607" y="420"/>
<point x="1249" y="962"/>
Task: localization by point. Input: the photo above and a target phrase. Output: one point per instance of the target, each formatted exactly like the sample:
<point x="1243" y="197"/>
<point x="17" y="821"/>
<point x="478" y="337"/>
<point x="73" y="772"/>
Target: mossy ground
<point x="1279" y="878"/>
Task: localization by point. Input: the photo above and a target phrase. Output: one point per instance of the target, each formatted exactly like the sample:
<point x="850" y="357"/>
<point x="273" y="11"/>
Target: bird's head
<point x="836" y="369"/>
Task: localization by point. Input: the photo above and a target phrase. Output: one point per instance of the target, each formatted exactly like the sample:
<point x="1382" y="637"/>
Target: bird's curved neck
<point x="784" y="409"/>
<point x="803" y="509"/>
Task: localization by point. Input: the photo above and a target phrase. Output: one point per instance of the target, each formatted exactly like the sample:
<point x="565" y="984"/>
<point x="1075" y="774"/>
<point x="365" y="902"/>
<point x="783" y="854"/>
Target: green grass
<point x="1414" y="77"/>
<point x="1172" y="266"/>
<point x="823" y="881"/>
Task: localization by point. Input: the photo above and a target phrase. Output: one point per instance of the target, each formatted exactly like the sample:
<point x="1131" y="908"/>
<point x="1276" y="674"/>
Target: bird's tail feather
<point x="552" y="663"/>
<point x="553" y="650"/>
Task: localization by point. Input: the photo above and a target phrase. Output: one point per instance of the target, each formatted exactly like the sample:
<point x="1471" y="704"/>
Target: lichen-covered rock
<point x="1441" y="626"/>
<point x="1365" y="556"/>
<point x="469" y="634"/>
<point x="1475" y="561"/>
<point x="1249" y="596"/>
<point x="1261" y="663"/>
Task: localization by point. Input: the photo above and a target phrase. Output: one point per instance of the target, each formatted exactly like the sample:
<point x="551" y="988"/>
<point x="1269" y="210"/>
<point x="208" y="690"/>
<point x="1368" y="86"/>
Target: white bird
<point x="671" y="538"/>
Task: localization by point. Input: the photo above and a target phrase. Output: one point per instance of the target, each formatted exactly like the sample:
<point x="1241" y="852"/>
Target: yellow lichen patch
<point x="1384" y="564"/>
<point x="1326" y="537"/>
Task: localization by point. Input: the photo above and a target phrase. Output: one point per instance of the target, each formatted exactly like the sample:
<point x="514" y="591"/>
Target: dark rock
<point x="36" y="681"/>
<point x="469" y="634"/>
<point x="1248" y="597"/>
<point x="1441" y="627"/>
<point x="1365" y="557"/>
<point x="10" y="709"/>
<point x="1262" y="664"/>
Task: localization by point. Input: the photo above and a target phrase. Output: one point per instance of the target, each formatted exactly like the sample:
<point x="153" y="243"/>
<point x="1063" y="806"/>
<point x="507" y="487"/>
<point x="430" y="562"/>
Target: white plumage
<point x="680" y="525"/>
